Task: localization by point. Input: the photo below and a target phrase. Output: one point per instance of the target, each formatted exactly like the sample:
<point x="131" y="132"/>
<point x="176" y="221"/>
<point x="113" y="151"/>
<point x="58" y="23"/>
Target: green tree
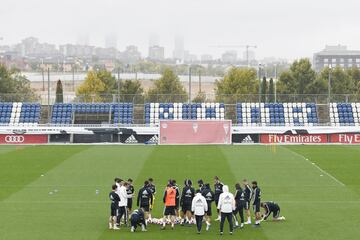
<point x="263" y="89"/>
<point x="237" y="82"/>
<point x="108" y="79"/>
<point x="354" y="74"/>
<point x="90" y="90"/>
<point x="271" y="90"/>
<point x="59" y="92"/>
<point x="297" y="79"/>
<point x="167" y="89"/>
<point x="131" y="91"/>
<point x="15" y="87"/>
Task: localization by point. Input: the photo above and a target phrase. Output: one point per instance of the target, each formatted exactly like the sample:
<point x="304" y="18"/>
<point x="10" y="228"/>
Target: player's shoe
<point x="132" y="229"/>
<point x="110" y="226"/>
<point x="282" y="218"/>
<point x="242" y="225"/>
<point x="218" y="218"/>
<point x="172" y="226"/>
<point x="208" y="227"/>
<point x="221" y="233"/>
<point x="116" y="228"/>
<point x="231" y="233"/>
<point x="248" y="222"/>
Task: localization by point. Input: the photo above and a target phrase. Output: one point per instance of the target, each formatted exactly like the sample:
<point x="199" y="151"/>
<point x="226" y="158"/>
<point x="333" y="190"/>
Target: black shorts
<point x="146" y="208"/>
<point x="186" y="208"/>
<point x="129" y="203"/>
<point x="169" y="211"/>
<point x="216" y="202"/>
<point x="256" y="207"/>
<point x="276" y="213"/>
<point x="239" y="207"/>
<point x="113" y="211"/>
<point x="247" y="205"/>
<point x="209" y="212"/>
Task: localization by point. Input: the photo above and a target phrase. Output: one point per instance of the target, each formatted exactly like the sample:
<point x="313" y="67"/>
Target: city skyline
<point x="309" y="27"/>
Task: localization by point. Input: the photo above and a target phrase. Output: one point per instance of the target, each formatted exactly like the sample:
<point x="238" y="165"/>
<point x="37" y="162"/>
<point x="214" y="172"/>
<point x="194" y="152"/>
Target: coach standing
<point x="226" y="206"/>
<point x="199" y="207"/>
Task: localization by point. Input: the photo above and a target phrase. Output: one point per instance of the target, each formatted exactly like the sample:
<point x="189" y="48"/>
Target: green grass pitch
<point x="320" y="197"/>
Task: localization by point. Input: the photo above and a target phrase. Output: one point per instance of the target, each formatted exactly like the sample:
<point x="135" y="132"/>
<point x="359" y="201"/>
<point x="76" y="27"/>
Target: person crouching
<point x="138" y="219"/>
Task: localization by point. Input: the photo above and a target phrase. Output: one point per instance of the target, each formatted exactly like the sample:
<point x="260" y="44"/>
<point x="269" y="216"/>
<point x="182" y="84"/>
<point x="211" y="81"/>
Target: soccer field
<point x="317" y="188"/>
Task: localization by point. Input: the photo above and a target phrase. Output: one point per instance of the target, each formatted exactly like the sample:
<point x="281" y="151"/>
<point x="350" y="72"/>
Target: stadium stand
<point x="62" y="113"/>
<point x="277" y="114"/>
<point x="183" y="111"/>
<point x="122" y="113"/>
<point x="117" y="113"/>
<point x="22" y="114"/>
<point x="344" y="114"/>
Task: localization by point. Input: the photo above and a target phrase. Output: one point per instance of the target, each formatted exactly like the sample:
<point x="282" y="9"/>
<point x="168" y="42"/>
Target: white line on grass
<point x="319" y="168"/>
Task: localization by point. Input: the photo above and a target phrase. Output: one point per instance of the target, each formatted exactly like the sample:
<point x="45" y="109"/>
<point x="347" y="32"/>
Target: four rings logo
<point x="14" y="139"/>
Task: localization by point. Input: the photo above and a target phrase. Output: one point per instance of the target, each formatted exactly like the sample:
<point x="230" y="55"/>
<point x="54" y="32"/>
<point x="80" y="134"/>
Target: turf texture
<point x="61" y="192"/>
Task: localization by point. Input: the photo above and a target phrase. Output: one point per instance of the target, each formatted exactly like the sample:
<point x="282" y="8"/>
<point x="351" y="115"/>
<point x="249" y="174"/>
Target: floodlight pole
<point x="275" y="80"/>
<point x="329" y="84"/>
<point x="48" y="72"/>
<point x="190" y="84"/>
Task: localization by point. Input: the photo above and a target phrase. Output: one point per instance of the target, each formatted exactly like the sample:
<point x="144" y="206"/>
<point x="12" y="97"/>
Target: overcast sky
<point x="281" y="28"/>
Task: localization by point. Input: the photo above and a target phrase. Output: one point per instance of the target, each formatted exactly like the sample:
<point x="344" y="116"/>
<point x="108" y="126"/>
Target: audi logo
<point x="14" y="139"/>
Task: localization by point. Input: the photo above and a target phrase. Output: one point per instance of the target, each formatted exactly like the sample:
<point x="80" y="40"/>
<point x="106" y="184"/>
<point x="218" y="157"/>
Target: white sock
<point x="249" y="219"/>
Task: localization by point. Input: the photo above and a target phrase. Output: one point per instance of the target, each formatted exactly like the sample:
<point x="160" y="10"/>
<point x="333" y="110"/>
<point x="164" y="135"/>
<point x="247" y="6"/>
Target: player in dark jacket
<point x="209" y="197"/>
<point x="187" y="196"/>
<point x="201" y="185"/>
<point x="138" y="219"/>
<point x="271" y="207"/>
<point x="240" y="205"/>
<point x="152" y="187"/>
<point x="114" y="206"/>
<point x="218" y="189"/>
<point x="145" y="198"/>
<point x="247" y="195"/>
<point x="256" y="202"/>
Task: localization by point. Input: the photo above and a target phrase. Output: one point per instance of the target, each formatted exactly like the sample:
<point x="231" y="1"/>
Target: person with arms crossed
<point x="187" y="196"/>
<point x="130" y="191"/>
<point x="247" y="195"/>
<point x="199" y="207"/>
<point x="240" y="205"/>
<point x="152" y="188"/>
<point x="256" y="203"/>
<point x="115" y="199"/>
<point x="226" y="206"/>
<point x="218" y="189"/>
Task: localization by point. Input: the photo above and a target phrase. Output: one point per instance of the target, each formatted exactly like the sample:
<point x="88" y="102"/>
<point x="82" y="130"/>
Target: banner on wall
<point x="245" y="138"/>
<point x="345" y="138"/>
<point x="23" y="139"/>
<point x="294" y="139"/>
<point x="195" y="132"/>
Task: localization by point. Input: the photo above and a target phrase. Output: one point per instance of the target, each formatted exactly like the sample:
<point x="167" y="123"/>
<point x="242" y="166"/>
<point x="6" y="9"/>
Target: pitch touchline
<point x="320" y="169"/>
<point x="91" y="202"/>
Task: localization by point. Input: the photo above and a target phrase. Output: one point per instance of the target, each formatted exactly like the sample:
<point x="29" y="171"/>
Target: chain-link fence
<point x="47" y="100"/>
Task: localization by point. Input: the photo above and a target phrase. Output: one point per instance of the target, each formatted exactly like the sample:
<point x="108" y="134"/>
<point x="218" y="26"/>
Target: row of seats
<point x="20" y="113"/>
<point x="276" y="114"/>
<point x="344" y="114"/>
<point x="247" y="114"/>
<point x="120" y="112"/>
<point x="154" y="112"/>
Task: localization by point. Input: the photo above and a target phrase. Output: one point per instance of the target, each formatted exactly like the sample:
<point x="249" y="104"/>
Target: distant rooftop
<point x="331" y="50"/>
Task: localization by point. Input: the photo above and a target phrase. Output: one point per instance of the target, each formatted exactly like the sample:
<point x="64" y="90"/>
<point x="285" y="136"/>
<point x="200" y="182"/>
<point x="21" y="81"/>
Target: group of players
<point x="189" y="206"/>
